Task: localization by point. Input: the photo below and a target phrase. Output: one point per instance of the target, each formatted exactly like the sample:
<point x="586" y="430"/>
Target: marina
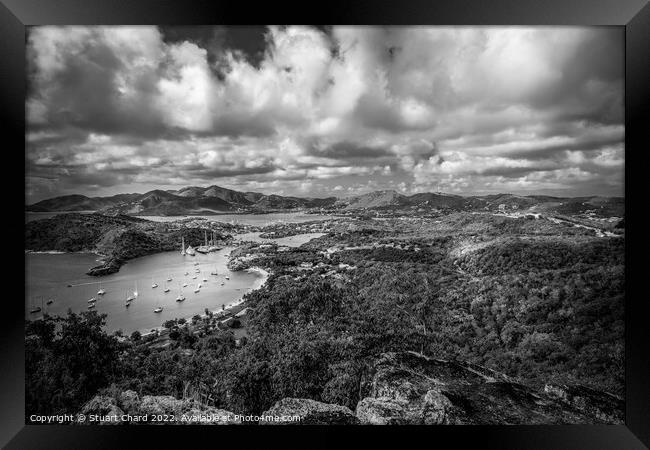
<point x="49" y="275"/>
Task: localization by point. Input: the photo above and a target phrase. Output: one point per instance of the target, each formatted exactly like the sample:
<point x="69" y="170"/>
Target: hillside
<point x="187" y="201"/>
<point x="194" y="200"/>
<point x="118" y="238"/>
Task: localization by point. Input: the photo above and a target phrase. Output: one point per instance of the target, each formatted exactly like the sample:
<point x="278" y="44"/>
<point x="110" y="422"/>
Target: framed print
<point x="413" y="220"/>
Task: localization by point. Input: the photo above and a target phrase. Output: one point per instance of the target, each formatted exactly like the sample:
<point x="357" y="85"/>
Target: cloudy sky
<point x="325" y="111"/>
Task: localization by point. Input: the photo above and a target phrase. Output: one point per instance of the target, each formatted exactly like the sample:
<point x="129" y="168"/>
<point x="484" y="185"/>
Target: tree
<point x="63" y="374"/>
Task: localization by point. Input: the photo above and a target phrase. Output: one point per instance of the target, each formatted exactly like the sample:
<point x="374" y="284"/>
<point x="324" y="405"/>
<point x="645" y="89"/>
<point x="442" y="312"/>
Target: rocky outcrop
<point x="241" y="263"/>
<point x="404" y="388"/>
<point x="163" y="409"/>
<point x="102" y="405"/>
<point x="408" y="388"/>
<point x="106" y="268"/>
<point x="310" y="412"/>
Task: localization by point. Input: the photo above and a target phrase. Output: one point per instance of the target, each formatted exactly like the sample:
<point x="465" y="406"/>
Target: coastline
<point x="263" y="276"/>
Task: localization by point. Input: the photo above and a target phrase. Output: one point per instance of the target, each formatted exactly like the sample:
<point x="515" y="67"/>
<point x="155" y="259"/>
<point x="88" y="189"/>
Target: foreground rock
<point x="311" y="412"/>
<point x="408" y="388"/>
<point x="149" y="409"/>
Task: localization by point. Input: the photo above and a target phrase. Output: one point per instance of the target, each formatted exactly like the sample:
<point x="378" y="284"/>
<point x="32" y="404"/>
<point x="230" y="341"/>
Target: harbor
<point x="61" y="278"/>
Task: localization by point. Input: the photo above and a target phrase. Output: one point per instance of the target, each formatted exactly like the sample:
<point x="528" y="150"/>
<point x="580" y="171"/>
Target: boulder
<point x="310" y="411"/>
<point x="409" y="388"/>
<point x="102" y="405"/>
<point x="130" y="401"/>
<point x="603" y="405"/>
<point x="188" y="411"/>
<point x="161" y="404"/>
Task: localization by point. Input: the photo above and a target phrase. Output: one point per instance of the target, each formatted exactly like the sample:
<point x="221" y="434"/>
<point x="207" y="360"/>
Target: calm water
<point x="290" y="241"/>
<point x="247" y="219"/>
<point x="30" y="216"/>
<point x="48" y="275"/>
<point x="244" y="219"/>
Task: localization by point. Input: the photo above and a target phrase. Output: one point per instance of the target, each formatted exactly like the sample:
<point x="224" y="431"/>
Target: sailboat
<point x="190" y="251"/>
<point x="213" y="248"/>
<point x="153" y="284"/>
<point x="183" y="245"/>
<point x="204" y="278"/>
<point x="214" y="272"/>
<point x="129" y="299"/>
<point x="101" y="291"/>
<point x="35" y="310"/>
<point x="169" y="277"/>
<point x="198" y="288"/>
<point x="166" y="289"/>
<point x="204" y="248"/>
<point x="180" y="297"/>
<point x="135" y="293"/>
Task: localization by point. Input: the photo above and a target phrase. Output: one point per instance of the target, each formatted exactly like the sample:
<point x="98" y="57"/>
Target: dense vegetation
<point x="119" y="238"/>
<point x="541" y="310"/>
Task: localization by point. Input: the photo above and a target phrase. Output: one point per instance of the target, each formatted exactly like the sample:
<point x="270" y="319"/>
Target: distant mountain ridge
<point x="185" y="201"/>
<point x="215" y="199"/>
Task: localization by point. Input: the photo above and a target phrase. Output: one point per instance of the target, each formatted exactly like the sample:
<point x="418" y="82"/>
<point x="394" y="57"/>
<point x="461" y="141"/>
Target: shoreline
<point x="263" y="277"/>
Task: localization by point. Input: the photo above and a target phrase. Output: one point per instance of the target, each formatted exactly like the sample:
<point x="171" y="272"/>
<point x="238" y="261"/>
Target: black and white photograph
<point x="324" y="225"/>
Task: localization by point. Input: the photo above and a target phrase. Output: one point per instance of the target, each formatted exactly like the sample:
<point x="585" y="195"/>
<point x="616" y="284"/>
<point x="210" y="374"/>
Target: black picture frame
<point x="633" y="15"/>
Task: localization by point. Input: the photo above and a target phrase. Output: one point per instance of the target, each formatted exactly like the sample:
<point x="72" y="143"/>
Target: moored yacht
<point x="36" y="309"/>
<point x="180" y="297"/>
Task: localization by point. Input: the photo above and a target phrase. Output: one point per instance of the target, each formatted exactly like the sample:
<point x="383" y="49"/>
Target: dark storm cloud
<point x="248" y="41"/>
<point x="349" y="150"/>
<point x="208" y="173"/>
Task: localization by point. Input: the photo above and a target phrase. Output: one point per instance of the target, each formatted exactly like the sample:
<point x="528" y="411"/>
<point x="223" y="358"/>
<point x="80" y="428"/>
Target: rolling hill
<point x="215" y="199"/>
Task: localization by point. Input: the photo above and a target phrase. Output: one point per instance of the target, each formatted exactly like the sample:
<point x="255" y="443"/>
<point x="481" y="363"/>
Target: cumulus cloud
<point x="320" y="111"/>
